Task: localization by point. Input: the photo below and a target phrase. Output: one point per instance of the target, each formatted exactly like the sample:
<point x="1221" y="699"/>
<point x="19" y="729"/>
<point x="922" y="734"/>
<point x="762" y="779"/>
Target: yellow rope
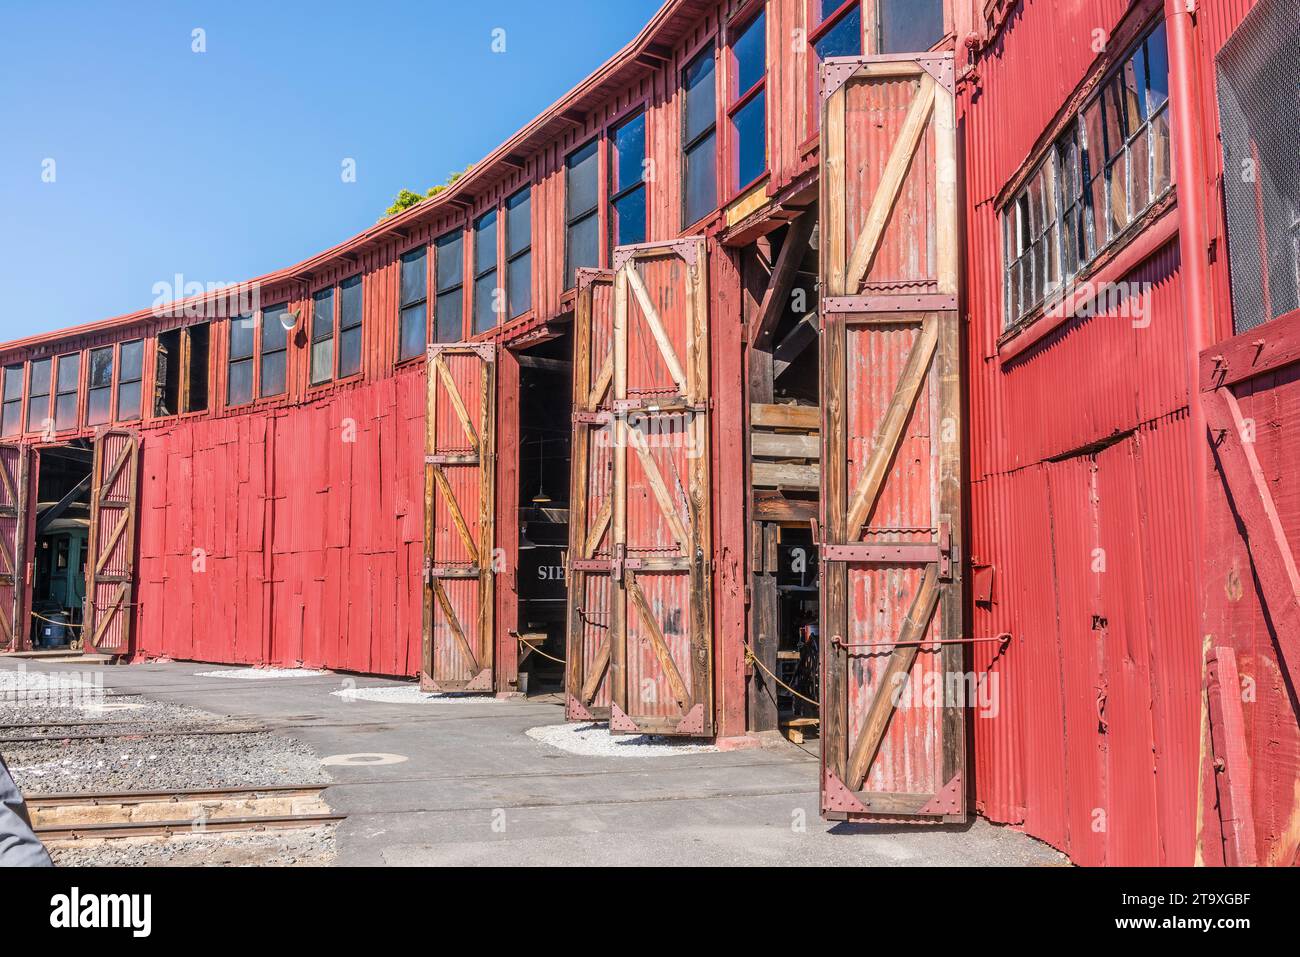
<point x="749" y="655"/>
<point x="525" y="641"/>
<point x="65" y="624"/>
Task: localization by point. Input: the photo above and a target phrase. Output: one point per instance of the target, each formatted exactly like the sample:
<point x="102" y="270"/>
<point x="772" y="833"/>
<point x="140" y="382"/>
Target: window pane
<point x="451" y="316"/>
<point x="1157" y="68"/>
<point x="451" y="260"/>
<point x="582" y="180"/>
<point x="349" y="352"/>
<point x="13" y="382"/>
<point x="750" y="50"/>
<point x="322" y="361"/>
<point x="322" y="315"/>
<point x="1097" y="216"/>
<point x="519" y="222"/>
<point x="751" y="139"/>
<point x="583" y="248"/>
<point x="97" y="406"/>
<point x="350" y="302"/>
<point x="239" y="387"/>
<point x="1116" y="128"/>
<point x="241" y="341"/>
<point x="1117" y="180"/>
<point x="486" y="301"/>
<point x="38" y="413"/>
<point x="101" y="367"/>
<point x="485" y="242"/>
<point x="825" y="8"/>
<point x="1134" y="77"/>
<point x="413" y="330"/>
<point x="1160" y="153"/>
<point x="843" y="39"/>
<point x="415" y="280"/>
<point x="273" y="332"/>
<point x="629" y="219"/>
<point x="11" y="419"/>
<point x="519" y="280"/>
<point x="40" y="384"/>
<point x="1094" y="142"/>
<point x="69" y="372"/>
<point x="910" y="26"/>
<point x="65" y="411"/>
<point x="628" y="155"/>
<point x="272" y="382"/>
<point x="701" y="99"/>
<point x="1140" y="172"/>
<point x="701" y="179"/>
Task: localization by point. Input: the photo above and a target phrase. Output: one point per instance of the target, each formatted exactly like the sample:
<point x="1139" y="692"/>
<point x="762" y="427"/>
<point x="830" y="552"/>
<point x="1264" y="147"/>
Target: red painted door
<point x="110" y="571"/>
<point x="13" y="523"/>
<point x="893" y="732"/>
<point x="459" y="557"/>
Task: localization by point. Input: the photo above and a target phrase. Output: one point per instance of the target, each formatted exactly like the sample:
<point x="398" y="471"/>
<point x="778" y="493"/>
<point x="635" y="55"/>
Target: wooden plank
<point x="1232" y="764"/>
<point x="597" y="531"/>
<point x="106" y="551"/>
<point x="597" y="673"/>
<point x="453" y="623"/>
<point x="781" y="475"/>
<point x="785" y="445"/>
<point x="891" y="184"/>
<point x="602" y="383"/>
<point x="457" y="518"/>
<point x="657" y="643"/>
<point x="776" y="297"/>
<point x="652" y="320"/>
<point x="890" y="431"/>
<point x="1270" y="551"/>
<point x="487" y="510"/>
<point x="833" y="241"/>
<point x="889" y="684"/>
<point x="578" y="488"/>
<point x="767" y="415"/>
<point x="618" y="520"/>
<point x="457" y="403"/>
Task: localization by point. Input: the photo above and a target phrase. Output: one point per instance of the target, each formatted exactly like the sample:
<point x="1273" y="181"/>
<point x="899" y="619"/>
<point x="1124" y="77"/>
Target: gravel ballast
<point x="310" y="847"/>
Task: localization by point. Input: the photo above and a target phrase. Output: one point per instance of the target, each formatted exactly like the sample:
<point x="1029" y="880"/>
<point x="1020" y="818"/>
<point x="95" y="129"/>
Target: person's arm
<point x="19" y="845"/>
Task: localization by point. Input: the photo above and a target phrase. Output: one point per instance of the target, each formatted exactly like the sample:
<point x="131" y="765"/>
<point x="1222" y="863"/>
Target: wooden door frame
<point x="124" y="603"/>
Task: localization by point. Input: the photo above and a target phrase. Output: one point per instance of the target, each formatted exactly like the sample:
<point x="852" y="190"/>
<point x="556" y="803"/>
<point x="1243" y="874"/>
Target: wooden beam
<point x="656" y="326"/>
<point x="457" y="518"/>
<point x="544" y="364"/>
<point x="660" y="490"/>
<point x="777" y="295"/>
<point x="795" y="343"/>
<point x="457" y="403"/>
<point x="1232" y="759"/>
<point x="767" y="415"/>
<point x="454" y="624"/>
<point x="776" y="475"/>
<point x="785" y="445"/>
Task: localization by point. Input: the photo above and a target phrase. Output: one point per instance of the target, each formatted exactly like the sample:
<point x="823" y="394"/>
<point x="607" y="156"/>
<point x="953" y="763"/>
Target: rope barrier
<point x="750" y="656"/>
<point x="525" y="641"/>
<point x="65" y="624"/>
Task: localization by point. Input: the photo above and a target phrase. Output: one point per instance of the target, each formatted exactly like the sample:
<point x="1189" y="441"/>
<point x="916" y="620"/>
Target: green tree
<point x="406" y="198"/>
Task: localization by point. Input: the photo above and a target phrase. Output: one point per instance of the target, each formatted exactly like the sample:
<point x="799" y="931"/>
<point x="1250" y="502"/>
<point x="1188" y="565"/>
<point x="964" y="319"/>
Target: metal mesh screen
<point x="1259" y="100"/>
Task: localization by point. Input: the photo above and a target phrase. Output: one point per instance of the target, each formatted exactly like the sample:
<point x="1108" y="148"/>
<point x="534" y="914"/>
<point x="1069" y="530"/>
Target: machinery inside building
<point x="62" y="532"/>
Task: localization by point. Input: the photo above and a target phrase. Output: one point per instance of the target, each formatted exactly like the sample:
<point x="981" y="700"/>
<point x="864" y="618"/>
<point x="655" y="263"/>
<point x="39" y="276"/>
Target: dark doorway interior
<point x="546" y="403"/>
<point x="60" y="545"/>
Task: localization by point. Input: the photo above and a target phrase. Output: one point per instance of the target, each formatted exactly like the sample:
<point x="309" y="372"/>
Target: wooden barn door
<point x="460" y="455"/>
<point x="110" y="566"/>
<point x="587" y="687"/>
<point x="13" y="526"/>
<point x="893" y="721"/>
<point x="652" y="430"/>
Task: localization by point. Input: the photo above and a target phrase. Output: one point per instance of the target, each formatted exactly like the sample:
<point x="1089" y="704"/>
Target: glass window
<point x="700" y="149"/>
<point x="322" y="336"/>
<point x="1105" y="170"/>
<point x="65" y="398"/>
<point x="835" y="30"/>
<point x="519" y="252"/>
<point x="747" y="105"/>
<point x="11" y="418"/>
<point x="350" y="313"/>
<point x="450" y="306"/>
<point x="487" y="295"/>
<point x="38" y="395"/>
<point x="99" y="397"/>
<point x="909" y="26"/>
<point x="128" y="380"/>
<point x="413" y="309"/>
<point x="627" y="159"/>
<point x="275" y="344"/>
<point x="582" y="207"/>
<point x="239" y="379"/>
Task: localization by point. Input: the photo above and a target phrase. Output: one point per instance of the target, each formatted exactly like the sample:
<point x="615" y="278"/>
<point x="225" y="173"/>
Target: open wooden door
<point x="652" y="430"/>
<point x="586" y="677"/>
<point x="110" y="566"/>
<point x="893" y="741"/>
<point x="460" y="457"/>
<point x="13" y="527"/>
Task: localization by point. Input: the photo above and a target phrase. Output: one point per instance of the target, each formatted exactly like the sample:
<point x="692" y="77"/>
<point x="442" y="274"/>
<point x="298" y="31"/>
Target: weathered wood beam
<point x="781" y="283"/>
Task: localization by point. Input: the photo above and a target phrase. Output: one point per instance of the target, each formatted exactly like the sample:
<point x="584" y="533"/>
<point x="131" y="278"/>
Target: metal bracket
<point x="688" y="248"/>
<point x="586" y="276"/>
<point x="837" y="797"/>
<point x="925" y="302"/>
<point x="839" y="70"/>
<point x="593" y="418"/>
<point x="487" y="351"/>
<point x="948" y="800"/>
<point x="620" y="722"/>
<point x="888" y="553"/>
<point x="574" y="710"/>
<point x="443" y="459"/>
<point x="693" y="723"/>
<point x="452" y="571"/>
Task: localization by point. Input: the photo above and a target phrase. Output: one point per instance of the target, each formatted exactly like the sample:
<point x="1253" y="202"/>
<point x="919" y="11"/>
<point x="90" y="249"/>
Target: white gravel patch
<point x="411" y="694"/>
<point x="257" y="673"/>
<point x="594" y="740"/>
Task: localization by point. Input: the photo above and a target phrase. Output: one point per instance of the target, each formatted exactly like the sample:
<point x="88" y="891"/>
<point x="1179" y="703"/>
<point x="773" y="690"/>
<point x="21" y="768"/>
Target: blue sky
<point x="226" y="164"/>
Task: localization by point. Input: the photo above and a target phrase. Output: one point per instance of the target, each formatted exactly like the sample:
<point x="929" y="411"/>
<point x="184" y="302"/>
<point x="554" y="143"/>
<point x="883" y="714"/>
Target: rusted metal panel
<point x="110" y="551"/>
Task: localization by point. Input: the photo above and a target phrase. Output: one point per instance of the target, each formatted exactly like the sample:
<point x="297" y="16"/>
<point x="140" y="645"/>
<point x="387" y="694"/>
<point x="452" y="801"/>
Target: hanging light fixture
<point x="541" y="498"/>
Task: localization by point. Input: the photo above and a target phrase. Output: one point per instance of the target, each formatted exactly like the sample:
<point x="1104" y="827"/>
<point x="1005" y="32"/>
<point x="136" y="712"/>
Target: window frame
<point x="736" y="100"/>
<point x="252" y="359"/>
<point x="480" y="272"/>
<point x="1076" y="128"/>
<point x="402" y="306"/>
<point x="450" y="236"/>
<point x="570" y="220"/>
<point x="510" y="260"/>
<point x="614" y="195"/>
<point x="337" y="329"/>
<point x="91" y="388"/>
<point x="118" y="381"/>
<point x="707" y="47"/>
<point x="48" y="395"/>
<point x="263" y="352"/>
<point x="21" y="366"/>
<point x="356" y="279"/>
<point x="58" y="393"/>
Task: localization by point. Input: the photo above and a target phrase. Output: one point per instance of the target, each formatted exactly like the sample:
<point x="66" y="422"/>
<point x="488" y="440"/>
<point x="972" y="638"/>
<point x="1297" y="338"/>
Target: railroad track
<point x="189" y="731"/>
<point x="115" y="815"/>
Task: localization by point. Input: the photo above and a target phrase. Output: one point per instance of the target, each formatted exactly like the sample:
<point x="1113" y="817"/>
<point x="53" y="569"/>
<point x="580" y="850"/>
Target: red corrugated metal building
<point x="933" y="329"/>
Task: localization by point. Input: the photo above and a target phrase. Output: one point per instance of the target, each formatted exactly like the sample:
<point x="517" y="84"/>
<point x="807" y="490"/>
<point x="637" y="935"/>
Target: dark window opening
<point x="627" y="159"/>
<point x="11" y="417"/>
<point x="488" y="304"/>
<point x="700" y="138"/>
<point x="99" y="395"/>
<point x="195" y="342"/>
<point x="449" y="309"/>
<point x="167" y="373"/>
<point x="413" y="304"/>
<point x="747" y="105"/>
<point x="65" y="399"/>
<point x="128" y="382"/>
<point x="582" y="208"/>
<point x="181" y="370"/>
<point x="519" y="252"/>
<point x="38" y="396"/>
